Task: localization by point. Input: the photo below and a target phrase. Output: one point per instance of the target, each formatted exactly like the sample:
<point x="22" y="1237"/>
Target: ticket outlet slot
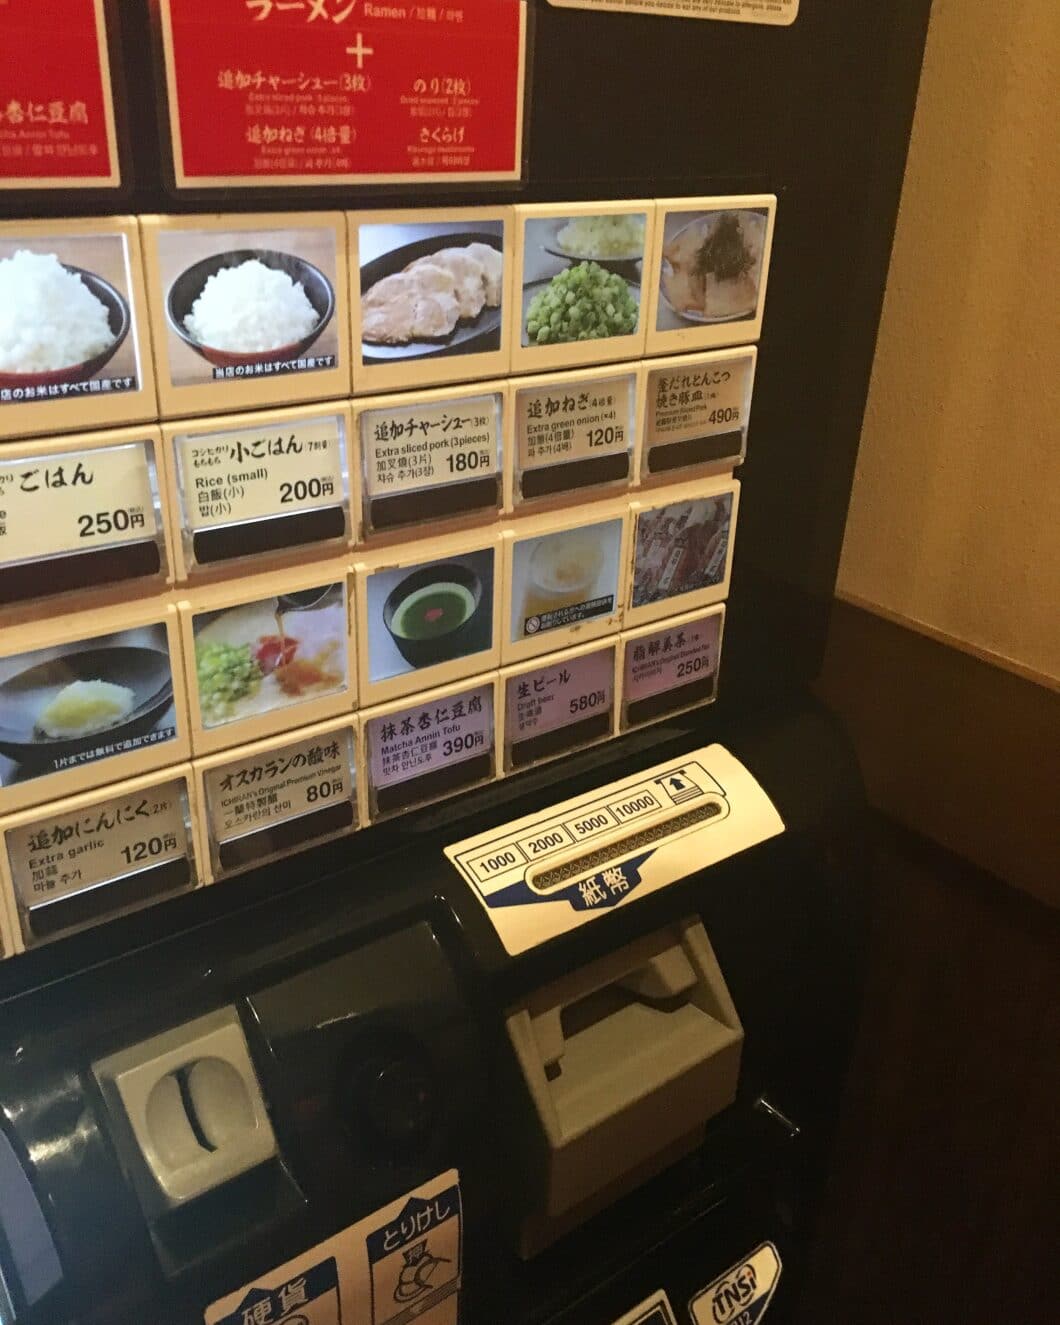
<point x="190" y="1124"/>
<point x="625" y="1060"/>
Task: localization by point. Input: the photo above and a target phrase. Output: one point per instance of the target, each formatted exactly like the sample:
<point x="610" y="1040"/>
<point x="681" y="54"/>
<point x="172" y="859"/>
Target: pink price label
<point x="672" y="657"/>
<point x="426" y="737"/>
<point x="558" y="695"/>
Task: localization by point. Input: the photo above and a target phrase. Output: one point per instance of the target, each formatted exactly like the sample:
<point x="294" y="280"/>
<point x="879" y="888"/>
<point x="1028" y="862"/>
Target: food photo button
<point x="431" y="620"/>
<point x="430" y="292"/>
<point x="683" y="544"/>
<point x="271" y="654"/>
<point x="75" y="350"/>
<point x="247" y="311"/>
<point x="565" y="581"/>
<point x="579" y="274"/>
<point x="707" y="283"/>
<point x="88" y="699"/>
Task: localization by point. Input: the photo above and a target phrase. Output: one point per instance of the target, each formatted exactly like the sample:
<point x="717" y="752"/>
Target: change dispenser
<point x="625" y="1061"/>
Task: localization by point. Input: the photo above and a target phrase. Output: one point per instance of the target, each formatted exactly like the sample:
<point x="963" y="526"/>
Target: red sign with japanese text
<point x="56" y="107"/>
<point x="344" y="91"/>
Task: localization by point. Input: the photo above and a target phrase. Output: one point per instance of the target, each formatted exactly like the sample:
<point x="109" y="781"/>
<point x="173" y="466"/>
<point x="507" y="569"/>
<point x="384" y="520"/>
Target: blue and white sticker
<point x="740" y="1296"/>
<point x="311" y="1297"/>
<point x="655" y="1310"/>
<point x="414" y="1258"/>
<point x="401" y="1263"/>
<point x="545" y="874"/>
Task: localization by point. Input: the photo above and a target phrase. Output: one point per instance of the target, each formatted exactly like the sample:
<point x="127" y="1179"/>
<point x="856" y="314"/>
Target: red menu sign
<point x="344" y="91"/>
<point x="56" y="108"/>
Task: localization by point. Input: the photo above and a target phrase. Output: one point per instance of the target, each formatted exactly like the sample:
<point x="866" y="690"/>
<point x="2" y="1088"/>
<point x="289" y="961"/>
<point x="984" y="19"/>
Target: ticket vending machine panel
<point x="629" y="1107"/>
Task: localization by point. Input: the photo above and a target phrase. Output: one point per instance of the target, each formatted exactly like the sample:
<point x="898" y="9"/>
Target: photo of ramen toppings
<point x="581" y="277"/>
<point x="581" y="303"/>
<point x="427" y="298"/>
<point x="712" y="264"/>
<point x="260" y="656"/>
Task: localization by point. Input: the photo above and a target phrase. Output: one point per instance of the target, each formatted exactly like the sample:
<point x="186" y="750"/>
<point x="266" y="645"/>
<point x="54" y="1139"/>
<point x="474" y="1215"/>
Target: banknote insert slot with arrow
<point x="574" y="867"/>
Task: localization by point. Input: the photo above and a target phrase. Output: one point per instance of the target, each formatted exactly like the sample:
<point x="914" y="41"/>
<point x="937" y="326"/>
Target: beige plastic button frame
<point x="107" y="251"/>
<point x="127" y="480"/>
<point x="399" y="238"/>
<point x="312" y="248"/>
<point x="428" y="408"/>
<point x="236" y="611"/>
<point x="673" y="332"/>
<point x="539" y="591"/>
<point x="257" y="486"/>
<point x="626" y="1060"/>
<point x="219" y="1098"/>
<point x="674" y="577"/>
<point x="136" y="645"/>
<point x="592" y="441"/>
<point x="107" y="861"/>
<point x="296" y="791"/>
<point x="539" y="259"/>
<point x="386" y="673"/>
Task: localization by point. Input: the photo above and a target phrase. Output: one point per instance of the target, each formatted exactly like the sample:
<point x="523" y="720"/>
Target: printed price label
<point x="424" y="446"/>
<point x="301" y="778"/>
<point x="253" y="473"/>
<point x="775" y="13"/>
<point x="427" y="737"/>
<point x="76" y="501"/>
<point x="673" y="657"/>
<point x="699" y="399"/>
<point x="573" y="421"/>
<point x="335" y="91"/>
<point x="56" y="105"/>
<point x="63" y="854"/>
<point x="549" y="698"/>
<point x="697" y="412"/>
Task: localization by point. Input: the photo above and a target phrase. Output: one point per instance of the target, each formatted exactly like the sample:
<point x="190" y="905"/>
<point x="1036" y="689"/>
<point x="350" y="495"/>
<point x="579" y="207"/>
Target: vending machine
<point x="429" y="891"/>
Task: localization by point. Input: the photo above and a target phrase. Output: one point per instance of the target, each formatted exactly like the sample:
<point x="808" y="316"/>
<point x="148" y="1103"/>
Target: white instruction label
<point x="740" y="1296"/>
<point x="776" y="13"/>
<point x="401" y="1264"/>
<point x="551" y="872"/>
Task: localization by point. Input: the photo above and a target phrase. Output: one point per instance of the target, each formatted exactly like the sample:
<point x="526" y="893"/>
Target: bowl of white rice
<point x="58" y="323"/>
<point x="250" y="306"/>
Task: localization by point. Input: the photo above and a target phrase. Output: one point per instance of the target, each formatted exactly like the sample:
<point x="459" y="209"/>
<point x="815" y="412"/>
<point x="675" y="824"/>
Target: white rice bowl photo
<point x="58" y="323"/>
<point x="250" y="306"/>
